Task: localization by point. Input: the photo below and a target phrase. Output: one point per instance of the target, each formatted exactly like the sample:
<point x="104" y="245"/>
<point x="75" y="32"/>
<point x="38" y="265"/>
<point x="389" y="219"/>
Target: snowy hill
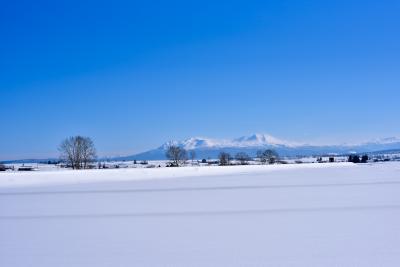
<point x="210" y="148"/>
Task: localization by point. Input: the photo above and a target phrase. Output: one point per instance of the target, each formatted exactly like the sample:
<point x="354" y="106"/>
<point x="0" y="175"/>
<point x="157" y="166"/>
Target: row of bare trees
<point x="267" y="156"/>
<point x="79" y="152"/>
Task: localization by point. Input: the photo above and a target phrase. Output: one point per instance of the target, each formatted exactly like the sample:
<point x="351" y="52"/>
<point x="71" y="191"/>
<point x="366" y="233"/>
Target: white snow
<point x="62" y="177"/>
<point x="290" y="215"/>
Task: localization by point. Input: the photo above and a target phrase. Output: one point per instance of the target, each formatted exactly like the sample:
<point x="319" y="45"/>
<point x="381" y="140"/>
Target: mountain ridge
<point x="210" y="148"/>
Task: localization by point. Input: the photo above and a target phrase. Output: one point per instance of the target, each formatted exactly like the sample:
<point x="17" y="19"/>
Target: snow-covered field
<point x="289" y="215"/>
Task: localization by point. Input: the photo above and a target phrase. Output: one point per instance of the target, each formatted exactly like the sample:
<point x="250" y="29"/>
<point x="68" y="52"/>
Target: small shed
<point x="2" y="168"/>
<point x="25" y="168"/>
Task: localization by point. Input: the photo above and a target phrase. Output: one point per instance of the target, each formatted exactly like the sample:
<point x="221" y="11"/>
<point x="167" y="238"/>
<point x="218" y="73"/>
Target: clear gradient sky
<point x="133" y="74"/>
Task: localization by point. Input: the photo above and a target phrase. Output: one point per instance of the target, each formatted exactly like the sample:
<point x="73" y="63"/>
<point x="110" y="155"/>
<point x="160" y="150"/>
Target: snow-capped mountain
<point x="255" y="140"/>
<point x="210" y="148"/>
<point x="260" y="140"/>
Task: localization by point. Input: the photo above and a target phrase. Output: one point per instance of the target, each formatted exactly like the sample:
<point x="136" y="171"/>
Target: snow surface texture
<point x="299" y="215"/>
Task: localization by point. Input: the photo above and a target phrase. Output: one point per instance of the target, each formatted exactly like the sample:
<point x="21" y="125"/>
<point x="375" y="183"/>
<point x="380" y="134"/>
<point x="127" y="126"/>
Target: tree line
<point x="178" y="156"/>
<point x="79" y="152"/>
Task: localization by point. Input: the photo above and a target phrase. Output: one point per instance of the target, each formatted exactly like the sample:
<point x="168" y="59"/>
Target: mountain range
<point x="210" y="148"/>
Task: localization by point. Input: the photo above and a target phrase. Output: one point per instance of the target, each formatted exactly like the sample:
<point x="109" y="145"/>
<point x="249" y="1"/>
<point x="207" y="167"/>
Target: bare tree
<point x="243" y="158"/>
<point x="268" y="156"/>
<point x="192" y="154"/>
<point x="261" y="157"/>
<point x="224" y="159"/>
<point x="177" y="155"/>
<point x="78" y="152"/>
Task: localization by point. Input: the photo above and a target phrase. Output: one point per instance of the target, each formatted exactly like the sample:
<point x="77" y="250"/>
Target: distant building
<point x="25" y="168"/>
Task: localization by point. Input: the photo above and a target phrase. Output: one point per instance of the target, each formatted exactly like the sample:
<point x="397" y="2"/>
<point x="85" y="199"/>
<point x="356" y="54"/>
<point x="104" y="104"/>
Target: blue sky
<point x="133" y="74"/>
